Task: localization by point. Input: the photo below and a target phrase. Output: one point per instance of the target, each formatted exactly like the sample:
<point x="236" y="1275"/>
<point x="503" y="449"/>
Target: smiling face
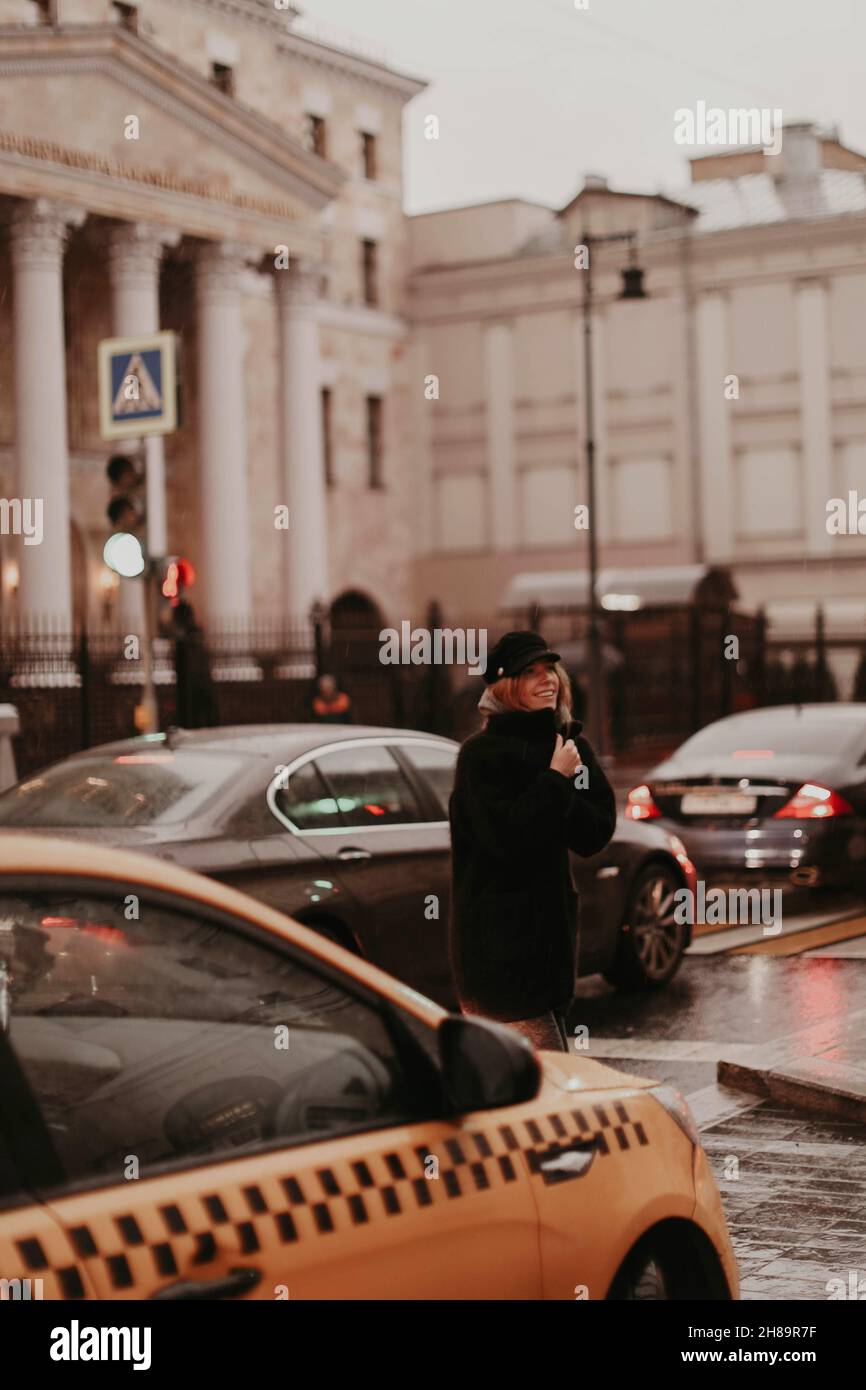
<point x="538" y="686"/>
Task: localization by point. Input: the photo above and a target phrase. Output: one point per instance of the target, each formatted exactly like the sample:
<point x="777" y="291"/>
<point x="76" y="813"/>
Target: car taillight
<point x="640" y="804"/>
<point x="812" y="802"/>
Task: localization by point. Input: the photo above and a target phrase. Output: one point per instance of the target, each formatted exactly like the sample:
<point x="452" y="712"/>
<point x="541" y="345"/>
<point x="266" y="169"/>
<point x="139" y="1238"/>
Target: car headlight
<point x="676" y="1106"/>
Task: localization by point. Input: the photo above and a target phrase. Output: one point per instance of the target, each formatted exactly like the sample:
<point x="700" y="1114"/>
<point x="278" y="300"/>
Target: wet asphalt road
<point x="720" y="1002"/>
<point x="793" y="1185"/>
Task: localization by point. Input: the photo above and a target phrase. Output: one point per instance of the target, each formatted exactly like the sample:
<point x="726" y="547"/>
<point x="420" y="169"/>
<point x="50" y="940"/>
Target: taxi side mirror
<point x="485" y="1064"/>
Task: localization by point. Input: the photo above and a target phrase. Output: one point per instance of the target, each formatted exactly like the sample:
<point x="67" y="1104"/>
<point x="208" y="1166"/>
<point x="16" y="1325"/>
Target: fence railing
<point x="665" y="672"/>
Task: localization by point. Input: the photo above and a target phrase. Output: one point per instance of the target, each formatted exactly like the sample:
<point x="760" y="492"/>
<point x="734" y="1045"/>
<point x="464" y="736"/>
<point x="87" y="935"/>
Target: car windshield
<point x="155" y="787"/>
<point x="772" y="735"/>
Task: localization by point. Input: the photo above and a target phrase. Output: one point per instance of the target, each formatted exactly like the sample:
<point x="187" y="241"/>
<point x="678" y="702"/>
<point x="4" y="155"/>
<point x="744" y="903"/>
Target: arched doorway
<point x="354" y="658"/>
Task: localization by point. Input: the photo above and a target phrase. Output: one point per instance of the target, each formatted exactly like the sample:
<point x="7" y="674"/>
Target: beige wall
<point x="766" y="509"/>
<point x="481" y="233"/>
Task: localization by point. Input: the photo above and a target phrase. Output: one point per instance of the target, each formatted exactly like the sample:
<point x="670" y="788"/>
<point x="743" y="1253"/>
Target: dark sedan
<point x="346" y="830"/>
<point x="775" y="793"/>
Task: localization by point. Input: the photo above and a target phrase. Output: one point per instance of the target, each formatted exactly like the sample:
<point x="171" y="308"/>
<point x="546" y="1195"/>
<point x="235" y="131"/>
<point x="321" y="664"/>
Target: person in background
<point x="330" y="704"/>
<point x="196" y="697"/>
<point x="528" y="788"/>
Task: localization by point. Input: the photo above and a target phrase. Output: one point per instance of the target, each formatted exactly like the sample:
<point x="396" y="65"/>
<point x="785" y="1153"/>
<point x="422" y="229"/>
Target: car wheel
<point x="642" y="1280"/>
<point x="651" y="941"/>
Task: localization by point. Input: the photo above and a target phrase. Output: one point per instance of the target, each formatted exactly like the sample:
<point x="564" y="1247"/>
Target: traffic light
<point x="124" y="552"/>
<point x="179" y="575"/>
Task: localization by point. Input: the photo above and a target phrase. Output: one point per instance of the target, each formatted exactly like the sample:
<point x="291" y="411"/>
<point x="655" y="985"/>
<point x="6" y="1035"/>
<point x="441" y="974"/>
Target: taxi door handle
<point x="572" y="1162"/>
<point x="352" y="853"/>
<point x="237" y="1281"/>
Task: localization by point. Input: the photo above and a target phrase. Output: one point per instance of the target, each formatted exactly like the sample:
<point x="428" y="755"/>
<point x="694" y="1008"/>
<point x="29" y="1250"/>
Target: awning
<point x="617" y="589"/>
<point x="796" y="618"/>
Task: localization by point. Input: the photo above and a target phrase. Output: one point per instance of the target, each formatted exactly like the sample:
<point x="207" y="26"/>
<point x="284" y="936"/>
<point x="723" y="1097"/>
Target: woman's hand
<point x="566" y="758"/>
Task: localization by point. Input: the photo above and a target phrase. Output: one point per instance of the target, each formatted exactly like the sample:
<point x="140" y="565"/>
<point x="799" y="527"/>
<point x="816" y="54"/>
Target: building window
<point x="317" y="135"/>
<point x="327" y="436"/>
<point x="126" y="16"/>
<point x="375" y="450"/>
<point x="368" y="154"/>
<point x="223" y="77"/>
<point x="370" y="268"/>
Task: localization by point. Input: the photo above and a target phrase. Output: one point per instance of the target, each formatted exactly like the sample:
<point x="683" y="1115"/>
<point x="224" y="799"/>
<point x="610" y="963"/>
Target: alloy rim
<point x="656" y="932"/>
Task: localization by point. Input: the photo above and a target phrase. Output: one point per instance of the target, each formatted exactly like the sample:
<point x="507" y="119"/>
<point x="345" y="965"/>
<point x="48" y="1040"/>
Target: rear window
<point x="437" y="762"/>
<point x="155" y="787"/>
<point x="771" y="736"/>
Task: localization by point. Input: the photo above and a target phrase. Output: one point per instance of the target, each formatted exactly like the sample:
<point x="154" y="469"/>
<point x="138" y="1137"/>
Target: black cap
<point x="514" y="652"/>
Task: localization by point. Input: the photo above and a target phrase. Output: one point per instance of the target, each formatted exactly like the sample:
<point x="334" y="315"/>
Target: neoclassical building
<point x="196" y="166"/>
<point x="730" y="403"/>
<point x="411" y="390"/>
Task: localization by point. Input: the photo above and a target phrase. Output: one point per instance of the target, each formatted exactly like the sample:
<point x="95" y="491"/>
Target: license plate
<point x="718" y="804"/>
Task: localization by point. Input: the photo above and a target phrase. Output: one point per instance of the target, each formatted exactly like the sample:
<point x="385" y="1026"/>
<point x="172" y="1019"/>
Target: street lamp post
<point x="632" y="289"/>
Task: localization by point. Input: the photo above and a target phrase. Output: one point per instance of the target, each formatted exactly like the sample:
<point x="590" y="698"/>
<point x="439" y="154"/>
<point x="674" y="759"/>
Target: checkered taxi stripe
<point x="158" y="1242"/>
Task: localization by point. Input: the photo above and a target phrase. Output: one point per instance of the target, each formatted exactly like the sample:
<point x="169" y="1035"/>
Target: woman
<point x="528" y="788"/>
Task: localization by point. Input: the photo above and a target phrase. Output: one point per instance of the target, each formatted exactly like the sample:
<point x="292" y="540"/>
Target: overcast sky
<point x="533" y="94"/>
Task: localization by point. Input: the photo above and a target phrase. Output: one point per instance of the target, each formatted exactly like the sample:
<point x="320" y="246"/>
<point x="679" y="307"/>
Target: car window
<point x="369" y="786"/>
<point x="148" y="787"/>
<point x="156" y="1033"/>
<point x="436" y="763"/>
<point x="306" y="800"/>
<point x="772" y="734"/>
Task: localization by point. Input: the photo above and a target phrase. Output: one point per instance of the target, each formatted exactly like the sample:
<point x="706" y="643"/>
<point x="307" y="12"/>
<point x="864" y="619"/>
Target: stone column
<point x="815" y="406"/>
<point x="301" y="421"/>
<point x="717" y="482"/>
<point x="225" y="534"/>
<point x="501" y="435"/>
<point x="134" y="255"/>
<point x="39" y="231"/>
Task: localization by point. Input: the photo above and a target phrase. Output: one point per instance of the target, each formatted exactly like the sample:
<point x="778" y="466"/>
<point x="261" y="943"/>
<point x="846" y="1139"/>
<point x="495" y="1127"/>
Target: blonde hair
<point x="507" y="692"/>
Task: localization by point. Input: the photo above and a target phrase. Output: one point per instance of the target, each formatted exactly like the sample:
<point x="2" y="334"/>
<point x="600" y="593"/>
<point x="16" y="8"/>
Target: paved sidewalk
<point x="820" y="1069"/>
<point x="794" y="1192"/>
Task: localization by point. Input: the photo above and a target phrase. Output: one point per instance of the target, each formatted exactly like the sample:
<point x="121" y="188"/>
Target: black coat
<point x="514" y="914"/>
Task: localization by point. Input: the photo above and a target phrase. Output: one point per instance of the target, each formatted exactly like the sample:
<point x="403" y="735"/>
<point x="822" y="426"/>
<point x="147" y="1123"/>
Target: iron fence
<point x="76" y="689"/>
<point x="664" y="669"/>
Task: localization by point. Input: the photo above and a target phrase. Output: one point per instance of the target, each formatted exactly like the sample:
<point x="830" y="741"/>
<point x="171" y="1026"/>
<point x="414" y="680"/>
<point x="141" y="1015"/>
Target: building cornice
<point x="361" y="320"/>
<point x="707" y="254"/>
<point x="37" y="169"/>
<point x="142" y="67"/>
<point x="262" y="13"/>
<point x="364" y="70"/>
<point x="345" y="62"/>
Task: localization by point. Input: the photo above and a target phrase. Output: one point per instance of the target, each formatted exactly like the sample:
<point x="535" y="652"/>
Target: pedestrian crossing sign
<point x="137" y="386"/>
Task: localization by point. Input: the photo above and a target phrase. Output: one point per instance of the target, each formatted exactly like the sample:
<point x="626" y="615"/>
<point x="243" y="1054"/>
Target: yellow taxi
<point x="202" y="1099"/>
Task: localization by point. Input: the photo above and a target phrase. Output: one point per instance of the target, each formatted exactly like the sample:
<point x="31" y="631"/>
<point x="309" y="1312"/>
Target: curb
<point x="815" y="1086"/>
